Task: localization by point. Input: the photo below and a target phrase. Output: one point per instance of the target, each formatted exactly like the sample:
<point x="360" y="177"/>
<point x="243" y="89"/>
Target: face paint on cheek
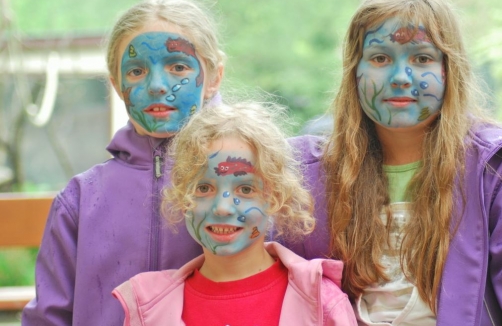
<point x="162" y="81"/>
<point x="184" y="46"/>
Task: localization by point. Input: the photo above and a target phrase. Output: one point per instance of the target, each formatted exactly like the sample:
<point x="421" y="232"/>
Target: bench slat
<point x="15" y="297"/>
<point x="22" y="221"/>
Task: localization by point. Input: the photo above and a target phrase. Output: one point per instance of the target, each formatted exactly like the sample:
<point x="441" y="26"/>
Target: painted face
<point x="229" y="216"/>
<point x="401" y="81"/>
<point x="162" y="81"/>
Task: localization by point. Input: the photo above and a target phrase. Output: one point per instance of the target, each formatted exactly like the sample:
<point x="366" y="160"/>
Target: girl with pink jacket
<point x="233" y="177"/>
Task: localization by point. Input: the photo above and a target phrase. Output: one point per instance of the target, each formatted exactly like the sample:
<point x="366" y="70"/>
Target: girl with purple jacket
<point x="105" y="226"/>
<point x="233" y="175"/>
<point x="413" y="172"/>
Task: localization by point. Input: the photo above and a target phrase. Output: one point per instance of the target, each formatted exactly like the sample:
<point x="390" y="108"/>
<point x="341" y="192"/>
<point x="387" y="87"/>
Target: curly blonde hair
<point x="357" y="187"/>
<point x="289" y="204"/>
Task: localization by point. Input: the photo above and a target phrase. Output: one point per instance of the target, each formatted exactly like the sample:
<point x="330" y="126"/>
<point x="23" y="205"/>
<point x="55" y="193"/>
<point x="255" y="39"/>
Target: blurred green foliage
<point x="17" y="266"/>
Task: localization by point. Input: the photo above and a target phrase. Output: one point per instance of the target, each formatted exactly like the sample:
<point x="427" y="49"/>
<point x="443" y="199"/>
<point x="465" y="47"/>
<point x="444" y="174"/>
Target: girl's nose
<point x="158" y="83"/>
<point x="224" y="206"/>
<point x="401" y="77"/>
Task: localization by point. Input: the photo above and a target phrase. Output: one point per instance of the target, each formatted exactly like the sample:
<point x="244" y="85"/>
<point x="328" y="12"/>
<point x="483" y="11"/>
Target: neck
<point x="401" y="145"/>
<point x="244" y="264"/>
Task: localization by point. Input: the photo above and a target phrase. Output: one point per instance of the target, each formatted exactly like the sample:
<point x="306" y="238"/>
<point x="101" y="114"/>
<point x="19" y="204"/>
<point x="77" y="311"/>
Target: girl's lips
<point x="223" y="233"/>
<point x="400" y="101"/>
<point x="159" y="110"/>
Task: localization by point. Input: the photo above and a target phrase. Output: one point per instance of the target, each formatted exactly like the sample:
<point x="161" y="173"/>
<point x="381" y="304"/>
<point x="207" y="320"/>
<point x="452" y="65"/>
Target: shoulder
<point x="306" y="273"/>
<point x="150" y="285"/>
<point x="336" y="307"/>
<point x="486" y="139"/>
<point x="308" y="148"/>
<point x="83" y="184"/>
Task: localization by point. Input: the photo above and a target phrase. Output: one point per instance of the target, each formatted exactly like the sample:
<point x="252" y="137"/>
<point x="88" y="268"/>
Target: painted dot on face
<point x="424" y="85"/>
<point x="176" y="88"/>
<point x="408" y="71"/>
<point x="226" y="194"/>
<point x="242" y="218"/>
<point x="184" y="81"/>
<point x="171" y="98"/>
<point x="237" y="201"/>
<point x="414" y="92"/>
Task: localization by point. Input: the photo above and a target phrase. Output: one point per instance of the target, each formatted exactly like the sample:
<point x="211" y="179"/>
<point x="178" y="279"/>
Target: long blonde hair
<point x="289" y="204"/>
<point x="357" y="188"/>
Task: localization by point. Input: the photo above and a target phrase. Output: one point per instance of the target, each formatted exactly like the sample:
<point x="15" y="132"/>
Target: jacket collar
<point x="128" y="146"/>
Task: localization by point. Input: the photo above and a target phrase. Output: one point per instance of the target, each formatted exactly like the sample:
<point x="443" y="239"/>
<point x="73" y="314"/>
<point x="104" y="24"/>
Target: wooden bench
<point x="22" y="222"/>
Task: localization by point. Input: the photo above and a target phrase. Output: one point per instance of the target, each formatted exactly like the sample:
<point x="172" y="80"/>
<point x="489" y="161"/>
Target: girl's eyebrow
<point x="377" y="47"/>
<point x="133" y="61"/>
<point x="426" y="46"/>
<point x="178" y="57"/>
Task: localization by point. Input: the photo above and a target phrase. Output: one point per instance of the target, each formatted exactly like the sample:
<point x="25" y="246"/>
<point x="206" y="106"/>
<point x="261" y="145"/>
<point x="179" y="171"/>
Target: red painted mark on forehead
<point x="234" y="165"/>
<point x="409" y="34"/>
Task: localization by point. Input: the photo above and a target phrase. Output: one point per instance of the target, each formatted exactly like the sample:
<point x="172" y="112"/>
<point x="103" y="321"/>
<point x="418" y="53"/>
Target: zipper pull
<point x="157" y="167"/>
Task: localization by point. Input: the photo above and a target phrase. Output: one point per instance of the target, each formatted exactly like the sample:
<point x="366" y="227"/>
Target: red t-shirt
<point x="253" y="301"/>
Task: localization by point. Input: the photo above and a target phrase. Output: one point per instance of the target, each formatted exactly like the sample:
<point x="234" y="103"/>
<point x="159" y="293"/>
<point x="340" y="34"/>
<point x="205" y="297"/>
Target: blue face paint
<point x="230" y="212"/>
<point x="392" y="70"/>
<point x="162" y="81"/>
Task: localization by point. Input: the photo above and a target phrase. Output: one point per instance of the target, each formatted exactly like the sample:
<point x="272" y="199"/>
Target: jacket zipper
<point x="155" y="222"/>
<point x="158" y="173"/>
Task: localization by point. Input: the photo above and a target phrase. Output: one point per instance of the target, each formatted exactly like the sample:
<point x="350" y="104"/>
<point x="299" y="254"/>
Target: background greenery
<point x="290" y="48"/>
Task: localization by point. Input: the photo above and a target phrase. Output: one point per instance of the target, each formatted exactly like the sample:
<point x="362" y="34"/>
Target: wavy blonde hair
<point x="290" y="205"/>
<point x="357" y="187"/>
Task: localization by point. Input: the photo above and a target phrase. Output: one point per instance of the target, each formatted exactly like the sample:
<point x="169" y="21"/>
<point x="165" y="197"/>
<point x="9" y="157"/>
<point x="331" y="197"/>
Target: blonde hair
<point x="290" y="205"/>
<point x="190" y="16"/>
<point x="357" y="187"/>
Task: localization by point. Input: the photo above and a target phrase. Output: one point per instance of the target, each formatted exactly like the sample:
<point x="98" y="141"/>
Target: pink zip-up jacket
<point x="313" y="295"/>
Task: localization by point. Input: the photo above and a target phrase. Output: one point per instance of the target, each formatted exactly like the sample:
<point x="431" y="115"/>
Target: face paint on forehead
<point x="396" y="33"/>
<point x="162" y="81"/>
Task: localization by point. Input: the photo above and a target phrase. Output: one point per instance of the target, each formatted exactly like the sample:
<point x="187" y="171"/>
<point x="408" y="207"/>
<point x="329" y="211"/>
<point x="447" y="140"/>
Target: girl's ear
<point x="214" y="84"/>
<point x="116" y="87"/>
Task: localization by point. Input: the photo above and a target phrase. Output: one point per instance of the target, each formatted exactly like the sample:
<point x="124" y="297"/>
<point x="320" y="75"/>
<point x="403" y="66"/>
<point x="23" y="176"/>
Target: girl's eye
<point x="246" y="190"/>
<point x="203" y="189"/>
<point x="380" y="59"/>
<point x="423" y="59"/>
<point x="179" y="68"/>
<point x="136" y="72"/>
